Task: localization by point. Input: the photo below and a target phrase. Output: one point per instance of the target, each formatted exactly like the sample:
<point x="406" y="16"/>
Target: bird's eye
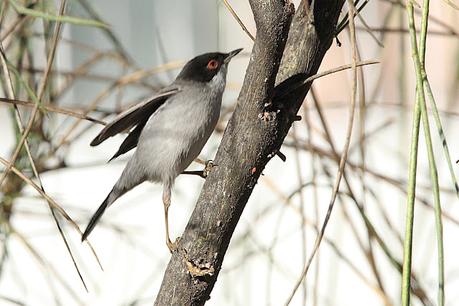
<point x="212" y="65"/>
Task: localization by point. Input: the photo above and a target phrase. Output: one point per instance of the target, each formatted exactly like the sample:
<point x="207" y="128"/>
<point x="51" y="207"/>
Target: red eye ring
<point x="212" y="64"/>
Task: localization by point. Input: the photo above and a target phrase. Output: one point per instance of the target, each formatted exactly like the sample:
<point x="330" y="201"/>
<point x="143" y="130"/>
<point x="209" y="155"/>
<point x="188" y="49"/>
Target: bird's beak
<point x="230" y="55"/>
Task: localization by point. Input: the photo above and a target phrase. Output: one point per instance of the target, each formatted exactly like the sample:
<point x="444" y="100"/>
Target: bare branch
<point x="254" y="134"/>
<point x="228" y="186"/>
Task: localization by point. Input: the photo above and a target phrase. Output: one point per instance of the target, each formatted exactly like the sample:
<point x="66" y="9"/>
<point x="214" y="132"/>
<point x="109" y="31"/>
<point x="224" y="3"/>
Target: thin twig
<point x="50" y="201"/>
<point x="54" y="109"/>
<point x="244" y="28"/>
<point x="41" y="92"/>
<point x="343" y="156"/>
<point x="327" y="72"/>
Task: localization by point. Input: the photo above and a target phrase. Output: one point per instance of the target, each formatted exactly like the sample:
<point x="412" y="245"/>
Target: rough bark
<point x="254" y="134"/>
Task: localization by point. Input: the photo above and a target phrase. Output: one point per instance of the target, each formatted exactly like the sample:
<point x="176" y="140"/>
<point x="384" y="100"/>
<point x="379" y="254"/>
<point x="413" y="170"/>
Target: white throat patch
<point x="219" y="80"/>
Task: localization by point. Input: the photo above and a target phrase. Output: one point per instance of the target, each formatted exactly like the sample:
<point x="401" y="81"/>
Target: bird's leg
<point x="167" y="202"/>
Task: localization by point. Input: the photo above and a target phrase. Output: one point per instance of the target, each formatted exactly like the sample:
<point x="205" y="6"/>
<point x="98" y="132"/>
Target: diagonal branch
<point x="255" y="132"/>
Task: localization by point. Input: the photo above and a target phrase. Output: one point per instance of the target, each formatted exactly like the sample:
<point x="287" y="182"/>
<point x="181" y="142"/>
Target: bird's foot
<point x="173" y="246"/>
<point x="208" y="166"/>
<point x="203" y="173"/>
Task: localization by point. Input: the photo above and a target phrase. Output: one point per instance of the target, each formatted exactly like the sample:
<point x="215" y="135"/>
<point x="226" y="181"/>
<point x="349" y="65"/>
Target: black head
<point x="204" y="67"/>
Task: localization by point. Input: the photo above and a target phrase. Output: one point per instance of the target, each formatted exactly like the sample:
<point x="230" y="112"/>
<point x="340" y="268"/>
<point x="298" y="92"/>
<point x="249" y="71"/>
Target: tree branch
<point x="254" y="134"/>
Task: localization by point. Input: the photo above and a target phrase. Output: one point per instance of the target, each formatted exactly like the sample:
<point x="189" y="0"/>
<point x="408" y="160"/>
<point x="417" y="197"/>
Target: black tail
<point x="95" y="218"/>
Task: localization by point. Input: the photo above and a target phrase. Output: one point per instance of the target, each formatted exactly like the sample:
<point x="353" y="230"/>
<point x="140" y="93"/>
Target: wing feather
<point x="131" y="140"/>
<point x="133" y="116"/>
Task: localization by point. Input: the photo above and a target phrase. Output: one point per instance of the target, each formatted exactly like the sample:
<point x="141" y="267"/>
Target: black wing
<point x="136" y="115"/>
<point x="131" y="141"/>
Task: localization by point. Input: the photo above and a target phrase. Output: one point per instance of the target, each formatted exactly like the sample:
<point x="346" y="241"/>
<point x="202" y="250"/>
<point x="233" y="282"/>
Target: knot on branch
<point x="198" y="269"/>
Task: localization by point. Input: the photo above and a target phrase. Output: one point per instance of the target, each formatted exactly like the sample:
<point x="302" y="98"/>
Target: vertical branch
<point x="254" y="134"/>
<point x="248" y="144"/>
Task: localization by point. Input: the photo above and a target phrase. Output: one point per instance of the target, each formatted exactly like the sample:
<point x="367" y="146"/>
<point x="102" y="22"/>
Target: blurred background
<point x="100" y="70"/>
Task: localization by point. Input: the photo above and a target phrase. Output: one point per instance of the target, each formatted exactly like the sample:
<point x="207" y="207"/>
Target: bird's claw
<point x="173" y="246"/>
<point x="208" y="166"/>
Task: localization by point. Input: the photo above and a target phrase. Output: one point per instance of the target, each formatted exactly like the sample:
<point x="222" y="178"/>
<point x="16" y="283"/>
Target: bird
<point x="168" y="130"/>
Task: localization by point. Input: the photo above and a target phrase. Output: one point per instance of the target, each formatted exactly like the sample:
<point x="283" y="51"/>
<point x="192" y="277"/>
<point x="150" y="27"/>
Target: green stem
<point x="65" y="19"/>
<point x="437" y="203"/>
<point x="433" y="106"/>
<point x="420" y="108"/>
<point x="411" y="195"/>
<point x="432" y="165"/>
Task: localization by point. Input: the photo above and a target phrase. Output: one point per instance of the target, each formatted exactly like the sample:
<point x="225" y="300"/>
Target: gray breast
<point x="175" y="135"/>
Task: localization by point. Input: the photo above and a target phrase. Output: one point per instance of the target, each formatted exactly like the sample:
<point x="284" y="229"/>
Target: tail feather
<point x="95" y="218"/>
<point x="130" y="178"/>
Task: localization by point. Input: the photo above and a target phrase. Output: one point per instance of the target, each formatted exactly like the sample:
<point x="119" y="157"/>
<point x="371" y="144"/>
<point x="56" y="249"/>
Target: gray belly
<point x="173" y="138"/>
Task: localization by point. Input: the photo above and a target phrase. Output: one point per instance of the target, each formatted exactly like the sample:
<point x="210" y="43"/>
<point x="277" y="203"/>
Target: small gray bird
<point x="169" y="130"/>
